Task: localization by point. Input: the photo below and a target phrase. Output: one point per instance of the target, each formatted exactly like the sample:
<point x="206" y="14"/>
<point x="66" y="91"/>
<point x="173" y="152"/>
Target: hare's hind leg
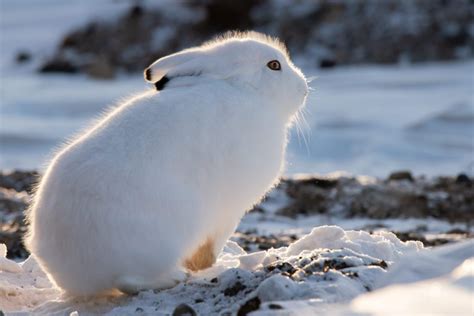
<point x="203" y="257"/>
<point x="133" y="284"/>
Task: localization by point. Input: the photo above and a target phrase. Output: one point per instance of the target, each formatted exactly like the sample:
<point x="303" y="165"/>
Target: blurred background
<point x="393" y="79"/>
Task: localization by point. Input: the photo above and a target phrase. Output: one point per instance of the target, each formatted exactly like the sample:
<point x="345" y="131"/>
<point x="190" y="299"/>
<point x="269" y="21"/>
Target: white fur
<point x="124" y="203"/>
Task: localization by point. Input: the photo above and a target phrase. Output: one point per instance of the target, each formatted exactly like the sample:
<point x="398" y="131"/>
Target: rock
<point x="135" y="12"/>
<point x="11" y="234"/>
<point x="184" y="310"/>
<point x="381" y="264"/>
<point x="19" y="180"/>
<point x="327" y="63"/>
<point x="23" y="57"/>
<point x="281" y="266"/>
<point x="275" y="306"/>
<point x="400" y="175"/>
<point x="251" y="241"/>
<point x="251" y="305"/>
<point x="310" y="196"/>
<point x="463" y="179"/>
<point x="59" y="64"/>
<point x="335" y="264"/>
<point x="320" y="182"/>
<point x="234" y="289"/>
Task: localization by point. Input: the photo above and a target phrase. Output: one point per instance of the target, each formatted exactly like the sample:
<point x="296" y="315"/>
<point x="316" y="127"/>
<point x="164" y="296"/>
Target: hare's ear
<point x="156" y="71"/>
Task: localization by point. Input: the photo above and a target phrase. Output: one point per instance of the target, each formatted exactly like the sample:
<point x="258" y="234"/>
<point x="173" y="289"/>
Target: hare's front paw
<point x="134" y="284"/>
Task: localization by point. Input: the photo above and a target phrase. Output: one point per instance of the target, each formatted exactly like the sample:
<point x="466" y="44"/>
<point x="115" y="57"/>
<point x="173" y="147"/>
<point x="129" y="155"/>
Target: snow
<point x="5" y="264"/>
<point x="330" y="264"/>
<point x="24" y="285"/>
<point x="405" y="300"/>
<point x="430" y="282"/>
<point x="424" y="266"/>
<point x="438" y="282"/>
<point x="329" y="270"/>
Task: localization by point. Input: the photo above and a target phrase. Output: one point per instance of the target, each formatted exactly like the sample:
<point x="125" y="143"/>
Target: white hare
<point x="158" y="185"/>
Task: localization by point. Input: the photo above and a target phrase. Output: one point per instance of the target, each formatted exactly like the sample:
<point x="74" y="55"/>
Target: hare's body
<point x="128" y="203"/>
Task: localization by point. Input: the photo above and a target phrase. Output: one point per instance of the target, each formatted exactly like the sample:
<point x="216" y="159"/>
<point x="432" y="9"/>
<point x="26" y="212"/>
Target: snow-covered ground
<point x="329" y="270"/>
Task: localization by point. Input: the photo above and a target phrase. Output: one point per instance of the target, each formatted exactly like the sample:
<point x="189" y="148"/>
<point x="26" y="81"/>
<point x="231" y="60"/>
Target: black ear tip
<point x="148" y="74"/>
<point x="160" y="84"/>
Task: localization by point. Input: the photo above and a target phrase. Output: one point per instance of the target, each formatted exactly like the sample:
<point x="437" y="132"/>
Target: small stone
<point x="275" y="306"/>
<point x="463" y="179"/>
<point x="381" y="264"/>
<point x="281" y="266"/>
<point x="234" y="289"/>
<point x="334" y="264"/>
<point x="401" y="175"/>
<point x="23" y="57"/>
<point x="327" y="63"/>
<point x="59" y="65"/>
<point x="135" y="12"/>
<point x="184" y="310"/>
<point x="249" y="306"/>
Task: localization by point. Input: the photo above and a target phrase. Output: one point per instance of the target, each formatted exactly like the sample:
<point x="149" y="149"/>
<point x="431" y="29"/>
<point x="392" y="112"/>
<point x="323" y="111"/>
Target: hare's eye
<point x="274" y="65"/>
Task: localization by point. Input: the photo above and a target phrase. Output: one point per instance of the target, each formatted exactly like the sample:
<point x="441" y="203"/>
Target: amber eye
<point x="274" y="65"/>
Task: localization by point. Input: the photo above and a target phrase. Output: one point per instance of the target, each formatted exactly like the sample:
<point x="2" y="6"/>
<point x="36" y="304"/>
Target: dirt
<point x="399" y="196"/>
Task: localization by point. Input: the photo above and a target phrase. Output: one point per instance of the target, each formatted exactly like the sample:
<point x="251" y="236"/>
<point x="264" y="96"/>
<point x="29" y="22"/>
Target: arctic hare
<point x="157" y="186"/>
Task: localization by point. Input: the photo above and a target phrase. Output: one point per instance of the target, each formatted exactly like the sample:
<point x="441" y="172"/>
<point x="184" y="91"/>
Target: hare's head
<point x="246" y="60"/>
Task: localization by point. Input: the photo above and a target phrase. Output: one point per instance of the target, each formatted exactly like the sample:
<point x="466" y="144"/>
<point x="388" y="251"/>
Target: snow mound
<point x="23" y="286"/>
<point x="448" y="295"/>
<point x="439" y="282"/>
<point x="329" y="265"/>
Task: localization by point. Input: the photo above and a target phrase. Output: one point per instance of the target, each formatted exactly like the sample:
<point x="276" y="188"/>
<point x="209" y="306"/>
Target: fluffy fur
<point x="160" y="183"/>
